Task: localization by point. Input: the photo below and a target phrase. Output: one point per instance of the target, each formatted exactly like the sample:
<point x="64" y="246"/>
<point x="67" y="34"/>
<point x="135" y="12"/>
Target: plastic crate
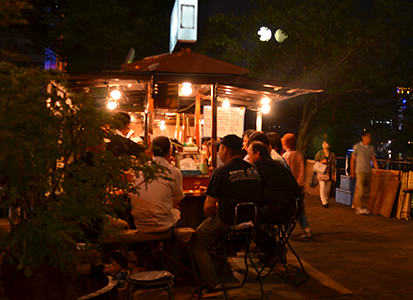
<point x="346" y="183"/>
<point x="344" y="196"/>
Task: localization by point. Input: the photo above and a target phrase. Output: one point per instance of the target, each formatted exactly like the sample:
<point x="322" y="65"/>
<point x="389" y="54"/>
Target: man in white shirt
<point x="156" y="208"/>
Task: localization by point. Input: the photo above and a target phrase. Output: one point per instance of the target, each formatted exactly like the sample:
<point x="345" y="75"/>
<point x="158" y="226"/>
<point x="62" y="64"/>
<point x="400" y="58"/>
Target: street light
<point x="266" y="34"/>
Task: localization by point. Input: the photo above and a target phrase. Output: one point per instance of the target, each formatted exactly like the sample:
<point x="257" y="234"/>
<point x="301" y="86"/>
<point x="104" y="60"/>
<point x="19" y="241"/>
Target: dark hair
<point x="257" y="146"/>
<point x="248" y="132"/>
<point x="123" y="117"/>
<point x="365" y="132"/>
<point x="259" y="136"/>
<point x="275" y="141"/>
<point x="161" y="146"/>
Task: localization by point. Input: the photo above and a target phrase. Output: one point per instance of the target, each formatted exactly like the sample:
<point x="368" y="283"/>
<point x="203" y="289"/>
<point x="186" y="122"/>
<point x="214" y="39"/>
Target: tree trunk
<point x="46" y="282"/>
<point x="309" y="113"/>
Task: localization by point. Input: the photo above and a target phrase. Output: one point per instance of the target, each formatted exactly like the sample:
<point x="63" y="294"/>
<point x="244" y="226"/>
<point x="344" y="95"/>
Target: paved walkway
<point x="368" y="254"/>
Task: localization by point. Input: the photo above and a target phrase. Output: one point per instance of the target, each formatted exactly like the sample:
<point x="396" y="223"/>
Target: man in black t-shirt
<point x="235" y="182"/>
<point x="279" y="193"/>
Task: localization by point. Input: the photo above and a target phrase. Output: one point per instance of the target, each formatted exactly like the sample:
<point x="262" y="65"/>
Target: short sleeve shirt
<point x="235" y="182"/>
<point x="153" y="209"/>
<point x="363" y="154"/>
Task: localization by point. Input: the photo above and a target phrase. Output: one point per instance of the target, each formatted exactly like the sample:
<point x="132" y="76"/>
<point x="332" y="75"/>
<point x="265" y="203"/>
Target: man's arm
<point x="352" y="165"/>
<point x="373" y="158"/>
<point x="210" y="206"/>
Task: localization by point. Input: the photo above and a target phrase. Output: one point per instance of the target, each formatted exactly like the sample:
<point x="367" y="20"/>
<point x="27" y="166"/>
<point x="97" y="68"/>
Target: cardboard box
<point x="346" y="183"/>
<point x="344" y="196"/>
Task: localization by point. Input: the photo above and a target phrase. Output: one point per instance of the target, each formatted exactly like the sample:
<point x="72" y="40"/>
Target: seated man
<point x="155" y="208"/>
<point x="126" y="131"/>
<point x="279" y="191"/>
<point x="234" y="182"/>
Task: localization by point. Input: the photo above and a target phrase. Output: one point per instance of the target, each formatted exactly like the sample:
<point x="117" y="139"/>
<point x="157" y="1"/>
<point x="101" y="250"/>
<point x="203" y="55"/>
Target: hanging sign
<point x="229" y="121"/>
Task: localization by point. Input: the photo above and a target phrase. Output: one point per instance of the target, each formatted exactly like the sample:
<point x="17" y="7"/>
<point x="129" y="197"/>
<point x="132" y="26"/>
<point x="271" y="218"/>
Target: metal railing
<point x="342" y="164"/>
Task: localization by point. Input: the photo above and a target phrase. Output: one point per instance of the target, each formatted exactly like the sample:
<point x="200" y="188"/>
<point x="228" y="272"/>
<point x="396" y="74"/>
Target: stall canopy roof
<point x="232" y="81"/>
<point x="185" y="61"/>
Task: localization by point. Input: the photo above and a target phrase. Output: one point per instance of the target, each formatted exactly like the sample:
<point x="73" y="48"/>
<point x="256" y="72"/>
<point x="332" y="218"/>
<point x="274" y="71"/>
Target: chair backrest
<point x="241" y="210"/>
<point x="299" y="208"/>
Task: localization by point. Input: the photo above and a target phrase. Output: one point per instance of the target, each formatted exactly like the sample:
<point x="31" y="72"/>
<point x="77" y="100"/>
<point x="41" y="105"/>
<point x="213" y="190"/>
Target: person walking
<point x="328" y="158"/>
<point x="360" y="168"/>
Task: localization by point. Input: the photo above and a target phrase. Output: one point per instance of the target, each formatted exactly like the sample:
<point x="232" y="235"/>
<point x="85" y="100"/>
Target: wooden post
<point x="177" y="127"/>
<point x="198" y="119"/>
<point x="214" y="111"/>
<point x="149" y="115"/>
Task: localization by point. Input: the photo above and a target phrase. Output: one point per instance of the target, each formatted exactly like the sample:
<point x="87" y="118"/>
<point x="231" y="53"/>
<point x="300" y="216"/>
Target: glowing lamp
<point x="265" y="109"/>
<point x="265" y="101"/>
<point x="162" y="125"/>
<point x="280" y="36"/>
<point x="115" y="94"/>
<point x="265" y="34"/>
<point x="226" y="103"/>
<point x="186" y="89"/>
<point x="112" y="105"/>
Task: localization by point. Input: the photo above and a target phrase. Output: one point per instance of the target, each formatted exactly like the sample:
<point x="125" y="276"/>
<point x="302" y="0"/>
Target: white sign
<point x="184" y="23"/>
<point x="229" y="121"/>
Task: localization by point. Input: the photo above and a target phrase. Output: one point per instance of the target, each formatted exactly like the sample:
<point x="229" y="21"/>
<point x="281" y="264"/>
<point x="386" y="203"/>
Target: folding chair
<point x="281" y="233"/>
<point x="240" y="239"/>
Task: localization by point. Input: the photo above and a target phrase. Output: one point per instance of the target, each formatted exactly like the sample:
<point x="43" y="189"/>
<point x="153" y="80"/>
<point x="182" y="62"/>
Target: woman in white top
<point x="326" y="157"/>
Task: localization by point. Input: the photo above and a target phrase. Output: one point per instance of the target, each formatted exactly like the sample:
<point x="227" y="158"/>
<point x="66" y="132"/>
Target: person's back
<point x="279" y="187"/>
<point x="294" y="158"/>
<point x="234" y="182"/>
<point x="297" y="164"/>
<point x="153" y="209"/>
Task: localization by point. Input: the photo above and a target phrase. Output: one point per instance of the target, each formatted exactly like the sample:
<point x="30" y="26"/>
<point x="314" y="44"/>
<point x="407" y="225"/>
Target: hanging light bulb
<point x="186" y="89"/>
<point x="112" y="104"/>
<point x="162" y="125"/>
<point x="115" y="94"/>
<point x="265" y="109"/>
<point x="226" y="103"/>
<point x="265" y="101"/>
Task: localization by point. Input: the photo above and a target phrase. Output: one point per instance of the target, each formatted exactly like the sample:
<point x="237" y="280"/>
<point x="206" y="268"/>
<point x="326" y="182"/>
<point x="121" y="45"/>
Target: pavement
<point x="368" y="254"/>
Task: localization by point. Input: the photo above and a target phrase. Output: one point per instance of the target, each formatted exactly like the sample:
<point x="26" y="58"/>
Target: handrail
<point x="384" y="164"/>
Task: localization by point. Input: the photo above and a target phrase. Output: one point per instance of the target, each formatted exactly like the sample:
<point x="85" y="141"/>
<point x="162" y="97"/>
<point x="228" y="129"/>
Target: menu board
<point x="229" y="121"/>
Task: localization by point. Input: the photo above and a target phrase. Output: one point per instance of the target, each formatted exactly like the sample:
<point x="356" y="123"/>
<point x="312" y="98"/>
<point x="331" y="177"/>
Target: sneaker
<point x="208" y="292"/>
<point x="306" y="234"/>
<point x="362" y="211"/>
<point x="325" y="205"/>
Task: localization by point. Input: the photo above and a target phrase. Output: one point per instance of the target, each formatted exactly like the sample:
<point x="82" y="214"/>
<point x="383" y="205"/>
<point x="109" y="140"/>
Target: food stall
<point x="180" y="95"/>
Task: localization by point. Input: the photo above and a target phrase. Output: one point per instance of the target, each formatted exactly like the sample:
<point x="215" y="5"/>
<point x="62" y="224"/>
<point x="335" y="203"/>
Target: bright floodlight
<point x="186" y="89"/>
<point x="265" y="109"/>
<point x="115" y="94"/>
<point x="162" y="125"/>
<point x="265" y="101"/>
<point x="112" y="105"/>
<point x="226" y="103"/>
<point x="265" y="34"/>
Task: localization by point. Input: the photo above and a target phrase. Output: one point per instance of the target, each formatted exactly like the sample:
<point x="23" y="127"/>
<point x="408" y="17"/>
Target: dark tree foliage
<point x="358" y="51"/>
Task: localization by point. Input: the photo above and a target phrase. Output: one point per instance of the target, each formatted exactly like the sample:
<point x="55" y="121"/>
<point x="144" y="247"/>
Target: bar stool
<point x="151" y="280"/>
